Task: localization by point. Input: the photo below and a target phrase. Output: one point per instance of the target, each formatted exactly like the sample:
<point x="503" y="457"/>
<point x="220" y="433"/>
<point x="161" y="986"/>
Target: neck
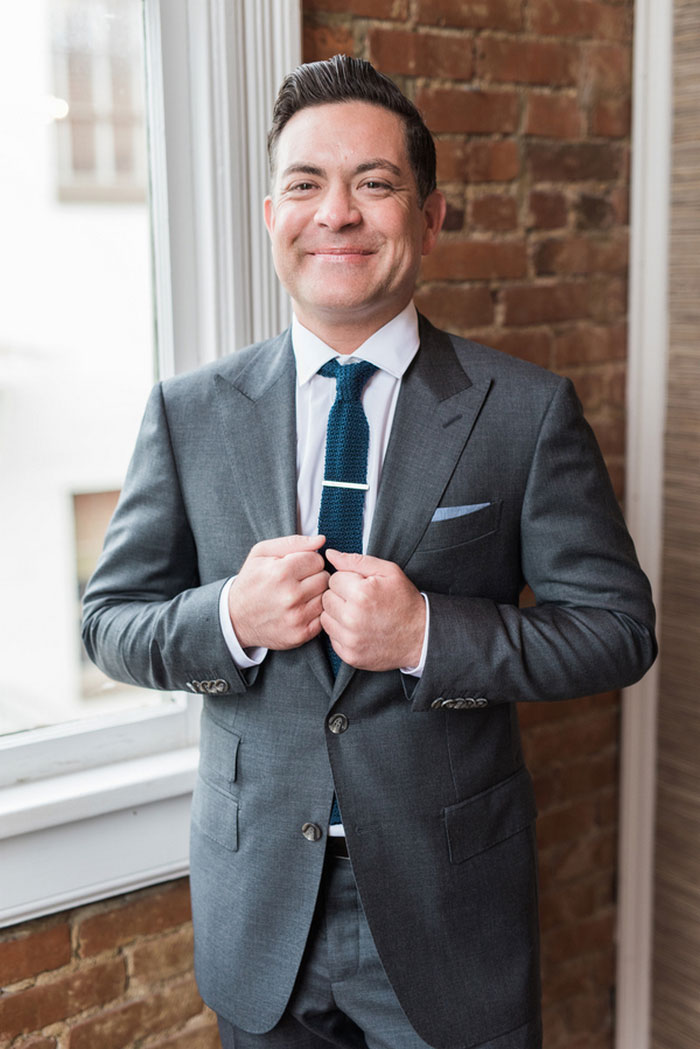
<point x="343" y="336"/>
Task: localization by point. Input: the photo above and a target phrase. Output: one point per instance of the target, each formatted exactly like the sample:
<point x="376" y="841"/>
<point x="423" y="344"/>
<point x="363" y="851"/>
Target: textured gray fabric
<point x="437" y="806"/>
<point x="342" y="989"/>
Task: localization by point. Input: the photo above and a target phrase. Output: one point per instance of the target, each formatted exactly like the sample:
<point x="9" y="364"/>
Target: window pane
<point x="76" y="333"/>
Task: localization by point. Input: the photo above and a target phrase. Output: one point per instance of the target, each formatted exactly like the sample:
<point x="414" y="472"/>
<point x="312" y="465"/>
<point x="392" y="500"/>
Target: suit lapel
<point x="258" y="419"/>
<point x="436" y="411"/>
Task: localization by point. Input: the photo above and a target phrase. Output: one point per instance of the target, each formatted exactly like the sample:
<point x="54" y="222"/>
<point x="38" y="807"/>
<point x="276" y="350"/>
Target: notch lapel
<point x="257" y="407"/>
<point x="435" y="414"/>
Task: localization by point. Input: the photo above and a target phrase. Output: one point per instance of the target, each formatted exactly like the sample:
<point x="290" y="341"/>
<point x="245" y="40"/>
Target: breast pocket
<point x="455" y="526"/>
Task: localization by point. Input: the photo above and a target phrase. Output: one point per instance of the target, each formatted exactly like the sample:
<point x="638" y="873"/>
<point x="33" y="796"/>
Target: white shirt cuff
<point x="242" y="657"/>
<point x="417" y="671"/>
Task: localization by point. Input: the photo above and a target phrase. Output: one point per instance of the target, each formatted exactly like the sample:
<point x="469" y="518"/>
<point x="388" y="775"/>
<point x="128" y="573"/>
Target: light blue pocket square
<point x="446" y="513"/>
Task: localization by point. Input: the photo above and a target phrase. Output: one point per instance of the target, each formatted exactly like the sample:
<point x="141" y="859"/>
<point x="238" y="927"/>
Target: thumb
<point x="361" y="564"/>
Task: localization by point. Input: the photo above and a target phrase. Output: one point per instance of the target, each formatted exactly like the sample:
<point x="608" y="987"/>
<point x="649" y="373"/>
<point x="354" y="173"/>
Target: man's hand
<point x="373" y="613"/>
<point x="275" y="601"/>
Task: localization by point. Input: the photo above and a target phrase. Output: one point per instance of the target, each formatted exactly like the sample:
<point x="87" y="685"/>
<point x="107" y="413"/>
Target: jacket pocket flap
<point x="490" y="817"/>
<point x="218" y="754"/>
<point x="215" y="813"/>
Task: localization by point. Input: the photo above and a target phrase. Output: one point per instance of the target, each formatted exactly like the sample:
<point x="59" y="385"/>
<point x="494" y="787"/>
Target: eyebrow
<point x="367" y="165"/>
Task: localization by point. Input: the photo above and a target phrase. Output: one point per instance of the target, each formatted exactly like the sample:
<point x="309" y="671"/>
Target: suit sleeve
<point x="147" y="620"/>
<point x="592" y="627"/>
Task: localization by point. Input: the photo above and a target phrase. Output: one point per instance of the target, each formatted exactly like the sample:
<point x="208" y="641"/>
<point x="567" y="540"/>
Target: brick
<point x="451" y="306"/>
<point x="564" y="864"/>
<point x="454" y="216"/>
<point x="548" y="210"/>
<point x="579" y="974"/>
<point x="575" y="903"/>
<point x="160" y="909"/>
<point x="468" y="110"/>
<point x="529" y="344"/>
<point x="160" y="958"/>
<point x="195" y="1038"/>
<point x="528" y="61"/>
<point x="590" y="344"/>
<point x="555" y="785"/>
<point x="611" y="117"/>
<point x="611" y="436"/>
<point x="494" y="211"/>
<point x="321" y="42"/>
<point x="45" y="1003"/>
<point x="541" y="303"/>
<point x="389" y="9"/>
<point x="471" y="14"/>
<point x="476" y="260"/>
<point x="37" y="952"/>
<point x="571" y="255"/>
<point x="421" y="54"/>
<point x="133" y="1020"/>
<point x="553" y="116"/>
<point x="607" y="298"/>
<point x="572" y="162"/>
<point x="587" y="735"/>
<point x="594" y="212"/>
<point x="565" y="824"/>
<point x="606" y="69"/>
<point x="579" y="18"/>
<point x="594" y="934"/>
<point x="599" y="388"/>
<point x="38" y="1043"/>
<point x="534" y="714"/>
<point x="493" y="161"/>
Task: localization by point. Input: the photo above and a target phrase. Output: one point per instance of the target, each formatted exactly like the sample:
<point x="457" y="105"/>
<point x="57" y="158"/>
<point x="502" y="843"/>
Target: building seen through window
<point x="76" y="333"/>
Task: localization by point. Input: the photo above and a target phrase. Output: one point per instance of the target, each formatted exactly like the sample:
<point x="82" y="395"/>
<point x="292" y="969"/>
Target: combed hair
<point x="345" y="79"/>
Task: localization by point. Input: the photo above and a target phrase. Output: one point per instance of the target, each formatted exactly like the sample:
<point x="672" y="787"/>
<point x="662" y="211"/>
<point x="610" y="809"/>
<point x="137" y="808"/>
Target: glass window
<point x="76" y="333"/>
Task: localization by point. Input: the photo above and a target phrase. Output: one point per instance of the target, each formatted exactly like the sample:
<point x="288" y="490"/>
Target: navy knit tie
<point x="345" y="477"/>
<point x="347" y="441"/>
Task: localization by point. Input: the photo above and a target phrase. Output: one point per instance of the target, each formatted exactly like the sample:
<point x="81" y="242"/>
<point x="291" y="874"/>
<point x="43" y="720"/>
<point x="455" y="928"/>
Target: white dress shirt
<point x="391" y="349"/>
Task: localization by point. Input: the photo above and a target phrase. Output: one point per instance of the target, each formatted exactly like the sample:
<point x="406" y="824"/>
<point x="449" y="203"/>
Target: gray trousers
<point x="342" y="996"/>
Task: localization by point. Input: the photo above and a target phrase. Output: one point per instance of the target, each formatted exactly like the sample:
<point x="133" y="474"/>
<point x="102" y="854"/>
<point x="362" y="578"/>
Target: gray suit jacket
<point x="436" y="801"/>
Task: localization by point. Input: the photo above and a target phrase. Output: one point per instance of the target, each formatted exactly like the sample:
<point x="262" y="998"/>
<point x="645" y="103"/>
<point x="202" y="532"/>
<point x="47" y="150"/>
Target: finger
<point x="313" y="586"/>
<point x="299" y="566"/>
<point x="362" y="564"/>
<point x="288" y="544"/>
<point x="345" y="584"/>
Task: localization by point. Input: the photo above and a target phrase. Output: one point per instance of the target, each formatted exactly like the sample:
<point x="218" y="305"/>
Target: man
<point x="383" y="680"/>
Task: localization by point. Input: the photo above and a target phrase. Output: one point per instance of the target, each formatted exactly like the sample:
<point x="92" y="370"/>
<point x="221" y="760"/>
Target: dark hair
<point x="344" y="79"/>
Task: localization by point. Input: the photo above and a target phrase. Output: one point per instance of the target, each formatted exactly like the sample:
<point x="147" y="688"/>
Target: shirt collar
<point x="391" y="348"/>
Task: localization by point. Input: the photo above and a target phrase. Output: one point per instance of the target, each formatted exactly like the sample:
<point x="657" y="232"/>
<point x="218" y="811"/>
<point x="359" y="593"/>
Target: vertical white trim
<point x="216" y="68"/>
<point x="648" y="346"/>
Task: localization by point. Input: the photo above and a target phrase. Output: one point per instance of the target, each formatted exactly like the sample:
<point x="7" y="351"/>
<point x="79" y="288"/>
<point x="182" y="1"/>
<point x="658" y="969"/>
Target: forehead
<point x="342" y="132"/>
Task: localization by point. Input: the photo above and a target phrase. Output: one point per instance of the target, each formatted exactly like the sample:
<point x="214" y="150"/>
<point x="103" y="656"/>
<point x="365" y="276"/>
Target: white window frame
<point x="100" y="807"/>
<point x="646" y="417"/>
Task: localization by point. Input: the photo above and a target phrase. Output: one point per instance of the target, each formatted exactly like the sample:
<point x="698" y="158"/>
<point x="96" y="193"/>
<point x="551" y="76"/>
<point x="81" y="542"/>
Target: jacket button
<point x="220" y="686"/>
<point x="312" y="831"/>
<point x="338" y="723"/>
<point x="436" y="704"/>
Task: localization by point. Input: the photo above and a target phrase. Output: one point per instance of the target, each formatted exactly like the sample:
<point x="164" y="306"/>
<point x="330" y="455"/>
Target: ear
<point x="434" y="213"/>
<point x="269" y="212"/>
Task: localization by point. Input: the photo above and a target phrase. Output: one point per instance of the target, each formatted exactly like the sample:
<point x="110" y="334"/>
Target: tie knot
<point x="350" y="379"/>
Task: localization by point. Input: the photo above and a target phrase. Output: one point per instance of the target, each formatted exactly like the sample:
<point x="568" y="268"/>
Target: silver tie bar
<point x="345" y="484"/>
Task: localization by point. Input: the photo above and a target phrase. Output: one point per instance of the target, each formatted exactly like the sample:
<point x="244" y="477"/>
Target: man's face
<point x="346" y="226"/>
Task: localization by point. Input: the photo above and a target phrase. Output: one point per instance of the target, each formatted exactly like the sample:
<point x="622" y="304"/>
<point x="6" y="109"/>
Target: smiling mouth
<point x="341" y="253"/>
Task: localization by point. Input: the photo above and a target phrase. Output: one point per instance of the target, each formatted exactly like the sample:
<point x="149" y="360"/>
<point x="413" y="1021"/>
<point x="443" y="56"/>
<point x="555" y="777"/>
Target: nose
<point x="337" y="208"/>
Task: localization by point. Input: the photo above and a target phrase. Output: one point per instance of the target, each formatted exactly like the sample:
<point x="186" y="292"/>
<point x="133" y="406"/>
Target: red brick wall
<point x="529" y="100"/>
<point x="113" y="975"/>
